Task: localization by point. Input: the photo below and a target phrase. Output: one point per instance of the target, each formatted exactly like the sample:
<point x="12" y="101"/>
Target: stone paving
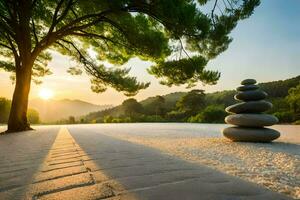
<point x="20" y="156"/>
<point x="65" y="174"/>
<point x="71" y="163"/>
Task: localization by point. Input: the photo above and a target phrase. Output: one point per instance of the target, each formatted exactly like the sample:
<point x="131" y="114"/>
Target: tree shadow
<point x="152" y="174"/>
<point x="20" y="156"/>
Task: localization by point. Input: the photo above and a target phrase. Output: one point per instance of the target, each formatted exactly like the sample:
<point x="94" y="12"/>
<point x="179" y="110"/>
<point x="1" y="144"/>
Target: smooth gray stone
<point x="252" y="95"/>
<point x="240" y="134"/>
<point x="249" y="107"/>
<point x="251" y="120"/>
<point x="248" y="81"/>
<point x="247" y="87"/>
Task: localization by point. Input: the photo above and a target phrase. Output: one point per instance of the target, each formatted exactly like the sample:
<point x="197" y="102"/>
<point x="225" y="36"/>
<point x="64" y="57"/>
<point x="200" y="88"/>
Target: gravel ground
<point x="274" y="165"/>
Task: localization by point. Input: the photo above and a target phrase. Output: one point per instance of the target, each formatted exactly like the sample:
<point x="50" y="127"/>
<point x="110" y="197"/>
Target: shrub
<point x="33" y="116"/>
<point x="211" y="114"/>
<point x="176" y="115"/>
<point x="297" y="122"/>
<point x="285" y="117"/>
<point x="152" y="118"/>
<point x="108" y="119"/>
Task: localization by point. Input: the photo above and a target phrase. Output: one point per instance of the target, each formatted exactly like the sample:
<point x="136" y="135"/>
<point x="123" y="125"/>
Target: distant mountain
<point x="53" y="110"/>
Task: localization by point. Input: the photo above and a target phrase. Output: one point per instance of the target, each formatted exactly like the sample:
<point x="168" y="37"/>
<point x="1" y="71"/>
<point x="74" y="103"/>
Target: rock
<point x="251" y="120"/>
<point x="247" y="87"/>
<point x="249" y="107"/>
<point x="248" y="117"/>
<point x="251" y="95"/>
<point x="240" y="134"/>
<point x="248" y="82"/>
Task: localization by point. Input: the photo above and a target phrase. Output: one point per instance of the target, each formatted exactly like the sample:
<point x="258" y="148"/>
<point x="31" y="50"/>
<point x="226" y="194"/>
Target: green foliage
<point x="187" y="70"/>
<point x="152" y="118"/>
<point x="108" y="119"/>
<point x="294" y="100"/>
<point x="285" y="116"/>
<point x="224" y="97"/>
<point x="176" y="115"/>
<point x="279" y="105"/>
<point x="156" y="107"/>
<point x="212" y="103"/>
<point x="71" y="120"/>
<point x="33" y="116"/>
<point x="170" y="100"/>
<point x="192" y="102"/>
<point x="116" y="31"/>
<point x="211" y="114"/>
<point x="131" y="107"/>
<point x="4" y="109"/>
<point x="5" y="104"/>
<point x="282" y="86"/>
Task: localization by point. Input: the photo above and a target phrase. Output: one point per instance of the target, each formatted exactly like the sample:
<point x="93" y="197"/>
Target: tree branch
<point x="93" y="35"/>
<point x="213" y="10"/>
<point x="9" y="10"/>
<point x="66" y="10"/>
<point x="33" y="3"/>
<point x="34" y="32"/>
<point x="17" y="60"/>
<point x="6" y="29"/>
<point x="94" y="71"/>
<point x="6" y="46"/>
<point x="54" y="19"/>
<point x="74" y="13"/>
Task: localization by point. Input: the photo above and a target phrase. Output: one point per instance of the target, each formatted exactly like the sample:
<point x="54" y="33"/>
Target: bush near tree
<point x="33" y="116"/>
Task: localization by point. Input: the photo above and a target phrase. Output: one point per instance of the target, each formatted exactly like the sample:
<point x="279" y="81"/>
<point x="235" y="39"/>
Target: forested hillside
<point x="196" y="106"/>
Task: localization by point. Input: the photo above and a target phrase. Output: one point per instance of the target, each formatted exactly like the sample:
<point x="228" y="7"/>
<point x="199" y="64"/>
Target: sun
<point x="46" y="94"/>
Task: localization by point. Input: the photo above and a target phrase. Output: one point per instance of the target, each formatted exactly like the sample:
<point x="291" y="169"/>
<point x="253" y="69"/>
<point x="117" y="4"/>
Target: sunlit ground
<point x="271" y="165"/>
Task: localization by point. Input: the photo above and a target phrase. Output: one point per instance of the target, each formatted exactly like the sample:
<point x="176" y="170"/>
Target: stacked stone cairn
<point x="248" y="116"/>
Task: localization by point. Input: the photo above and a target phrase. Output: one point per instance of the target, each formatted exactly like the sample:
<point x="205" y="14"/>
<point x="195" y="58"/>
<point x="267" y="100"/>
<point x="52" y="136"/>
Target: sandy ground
<point x="274" y="165"/>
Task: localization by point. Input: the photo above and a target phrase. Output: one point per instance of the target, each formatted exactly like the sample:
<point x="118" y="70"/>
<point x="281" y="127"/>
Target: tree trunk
<point x="18" y="114"/>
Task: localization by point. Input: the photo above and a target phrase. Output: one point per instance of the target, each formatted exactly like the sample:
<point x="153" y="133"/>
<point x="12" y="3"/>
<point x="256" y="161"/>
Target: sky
<point x="265" y="47"/>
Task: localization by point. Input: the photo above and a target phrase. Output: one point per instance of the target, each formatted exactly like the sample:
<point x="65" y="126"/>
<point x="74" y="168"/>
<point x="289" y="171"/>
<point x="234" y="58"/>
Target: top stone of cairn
<point x="248" y="82"/>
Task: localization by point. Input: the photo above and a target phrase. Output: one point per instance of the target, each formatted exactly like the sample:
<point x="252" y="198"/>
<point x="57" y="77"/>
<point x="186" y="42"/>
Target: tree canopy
<point x="192" y="102"/>
<point x="131" y="107"/>
<point x="117" y="31"/>
<point x="162" y="31"/>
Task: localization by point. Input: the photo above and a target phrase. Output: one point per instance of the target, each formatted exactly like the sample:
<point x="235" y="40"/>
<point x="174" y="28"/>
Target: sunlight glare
<point x="46" y="94"/>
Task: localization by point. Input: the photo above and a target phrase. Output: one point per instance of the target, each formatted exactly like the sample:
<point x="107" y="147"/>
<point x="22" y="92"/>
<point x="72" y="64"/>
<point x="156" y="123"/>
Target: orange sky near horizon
<point x="265" y="47"/>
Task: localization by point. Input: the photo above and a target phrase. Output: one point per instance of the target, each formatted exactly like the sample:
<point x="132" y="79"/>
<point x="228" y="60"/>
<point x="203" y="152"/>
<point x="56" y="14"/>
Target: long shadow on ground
<point x="151" y="174"/>
<point x="20" y="156"/>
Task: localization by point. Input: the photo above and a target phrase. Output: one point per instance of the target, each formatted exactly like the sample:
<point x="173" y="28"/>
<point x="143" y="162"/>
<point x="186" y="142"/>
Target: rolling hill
<point x="53" y="110"/>
<point x="275" y="89"/>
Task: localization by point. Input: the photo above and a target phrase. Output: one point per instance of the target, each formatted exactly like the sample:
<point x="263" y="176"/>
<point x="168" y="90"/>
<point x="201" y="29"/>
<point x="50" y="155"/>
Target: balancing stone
<point x="247" y="116"/>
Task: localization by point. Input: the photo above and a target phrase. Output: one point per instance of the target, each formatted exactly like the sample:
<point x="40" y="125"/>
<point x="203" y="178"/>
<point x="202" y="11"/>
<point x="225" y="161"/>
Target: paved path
<point x="21" y="154"/>
<point x="71" y="163"/>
